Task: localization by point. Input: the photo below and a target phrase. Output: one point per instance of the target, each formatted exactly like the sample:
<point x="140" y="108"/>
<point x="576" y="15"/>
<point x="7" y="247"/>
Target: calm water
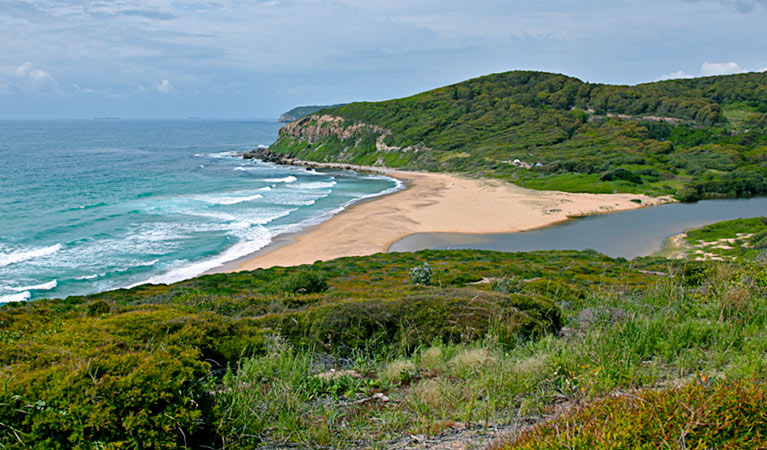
<point x="629" y="234"/>
<point x="87" y="206"/>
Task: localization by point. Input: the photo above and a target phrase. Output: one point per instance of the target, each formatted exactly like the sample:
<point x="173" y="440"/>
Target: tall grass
<point x="668" y="335"/>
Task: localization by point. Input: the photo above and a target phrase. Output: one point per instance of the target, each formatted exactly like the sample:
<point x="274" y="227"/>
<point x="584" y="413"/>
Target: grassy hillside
<point x="357" y="352"/>
<point x="697" y="138"/>
<point x="303" y="111"/>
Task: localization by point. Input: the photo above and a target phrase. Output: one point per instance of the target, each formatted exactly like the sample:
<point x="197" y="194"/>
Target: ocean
<point x="93" y="205"/>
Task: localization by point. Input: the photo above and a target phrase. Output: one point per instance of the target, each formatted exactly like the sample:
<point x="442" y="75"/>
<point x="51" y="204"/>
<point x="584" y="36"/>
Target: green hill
<point x="694" y="138"/>
<point x="302" y="111"/>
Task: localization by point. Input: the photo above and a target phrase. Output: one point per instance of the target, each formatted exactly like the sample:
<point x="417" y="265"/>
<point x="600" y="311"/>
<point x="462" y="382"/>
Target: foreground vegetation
<point x="359" y="352"/>
<point x="697" y="138"/>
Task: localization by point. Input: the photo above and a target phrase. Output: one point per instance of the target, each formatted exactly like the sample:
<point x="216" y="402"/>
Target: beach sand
<point x="435" y="202"/>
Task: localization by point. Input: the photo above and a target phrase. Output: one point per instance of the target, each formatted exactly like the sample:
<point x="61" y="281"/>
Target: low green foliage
<point x="696" y="416"/>
<point x="507" y="284"/>
<point x="302" y="282"/>
<point x="228" y="360"/>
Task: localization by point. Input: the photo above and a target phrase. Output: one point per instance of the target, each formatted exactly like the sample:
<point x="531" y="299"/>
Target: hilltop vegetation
<point x="356" y="352"/>
<point x="697" y="138"/>
<point x="302" y="111"/>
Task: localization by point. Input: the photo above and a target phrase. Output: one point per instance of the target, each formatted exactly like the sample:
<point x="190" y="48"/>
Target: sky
<point x="70" y="59"/>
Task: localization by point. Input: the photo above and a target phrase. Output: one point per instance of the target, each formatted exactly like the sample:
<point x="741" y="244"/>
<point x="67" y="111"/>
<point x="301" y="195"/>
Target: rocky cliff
<point x="355" y="136"/>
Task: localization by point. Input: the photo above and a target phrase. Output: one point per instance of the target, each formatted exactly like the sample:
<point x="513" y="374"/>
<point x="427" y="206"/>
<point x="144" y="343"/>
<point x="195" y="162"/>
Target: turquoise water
<point x="87" y="206"/>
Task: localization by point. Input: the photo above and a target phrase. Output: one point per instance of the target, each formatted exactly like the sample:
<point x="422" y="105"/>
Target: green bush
<point x="695" y="417"/>
<point x="620" y="174"/>
<point x="98" y="308"/>
<point x="507" y="285"/>
<point x="463" y="279"/>
<point x="305" y="281"/>
<point x="695" y="273"/>
<point x="455" y="315"/>
<point x="132" y="400"/>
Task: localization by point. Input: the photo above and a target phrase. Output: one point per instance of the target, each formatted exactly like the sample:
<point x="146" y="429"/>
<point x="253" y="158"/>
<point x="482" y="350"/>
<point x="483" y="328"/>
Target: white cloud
<point x="26" y="78"/>
<point x="710" y="69"/>
<point x="163" y="87"/>
<point x="675" y="75"/>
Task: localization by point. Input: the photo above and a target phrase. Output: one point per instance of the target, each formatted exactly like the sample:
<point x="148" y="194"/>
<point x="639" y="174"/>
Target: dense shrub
<point x="456" y="315"/>
<point x="695" y="273"/>
<point x="507" y="285"/>
<point x="306" y="281"/>
<point x="133" y="400"/>
<point x="98" y="308"/>
<point x="695" y="417"/>
<point x="620" y="174"/>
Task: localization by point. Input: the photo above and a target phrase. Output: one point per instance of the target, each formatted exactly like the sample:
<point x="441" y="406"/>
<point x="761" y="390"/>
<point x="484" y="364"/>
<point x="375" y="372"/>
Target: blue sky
<point x="256" y="59"/>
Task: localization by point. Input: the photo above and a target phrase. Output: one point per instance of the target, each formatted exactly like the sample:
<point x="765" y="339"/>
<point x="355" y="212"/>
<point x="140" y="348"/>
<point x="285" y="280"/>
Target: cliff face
<point x="313" y="128"/>
<point x="356" y="138"/>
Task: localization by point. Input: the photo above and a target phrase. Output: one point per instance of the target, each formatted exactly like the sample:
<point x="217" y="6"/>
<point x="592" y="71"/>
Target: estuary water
<point x="87" y="206"/>
<point x="627" y="234"/>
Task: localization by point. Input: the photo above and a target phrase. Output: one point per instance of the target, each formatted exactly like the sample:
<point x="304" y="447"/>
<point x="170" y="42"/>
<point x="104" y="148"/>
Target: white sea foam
<point x="314" y="185"/>
<point x="91" y="277"/>
<point x="20" y="297"/>
<point x="228" y="221"/>
<point x="231" y="200"/>
<point x="25" y="255"/>
<point x="250" y="226"/>
<point x="257" y="238"/>
<point x="37" y="287"/>
<point x="288" y="179"/>
<point x="296" y="202"/>
<point x="310" y="171"/>
<point x="220" y="155"/>
<point x="296" y="198"/>
<point x="141" y="264"/>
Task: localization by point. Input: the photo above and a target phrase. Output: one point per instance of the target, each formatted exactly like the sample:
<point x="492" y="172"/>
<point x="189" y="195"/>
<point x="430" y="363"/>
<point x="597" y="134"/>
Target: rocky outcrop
<point x="314" y="128"/>
<point x="265" y="155"/>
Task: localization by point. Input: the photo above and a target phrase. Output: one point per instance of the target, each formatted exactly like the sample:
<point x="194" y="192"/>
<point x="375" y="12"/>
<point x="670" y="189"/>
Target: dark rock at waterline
<point x="265" y="155"/>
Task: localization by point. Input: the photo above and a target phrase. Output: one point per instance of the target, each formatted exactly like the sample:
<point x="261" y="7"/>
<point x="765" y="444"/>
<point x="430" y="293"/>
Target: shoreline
<point x="284" y="239"/>
<point x="430" y="203"/>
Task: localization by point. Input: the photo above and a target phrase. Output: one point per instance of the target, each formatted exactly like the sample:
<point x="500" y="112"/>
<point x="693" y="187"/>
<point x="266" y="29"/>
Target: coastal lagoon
<point x="88" y="206"/>
<point x="627" y="234"/>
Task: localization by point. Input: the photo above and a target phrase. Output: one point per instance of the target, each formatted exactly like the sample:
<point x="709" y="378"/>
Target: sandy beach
<point x="435" y="202"/>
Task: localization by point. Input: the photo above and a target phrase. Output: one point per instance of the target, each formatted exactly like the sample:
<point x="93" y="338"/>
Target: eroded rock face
<point x="313" y="128"/>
